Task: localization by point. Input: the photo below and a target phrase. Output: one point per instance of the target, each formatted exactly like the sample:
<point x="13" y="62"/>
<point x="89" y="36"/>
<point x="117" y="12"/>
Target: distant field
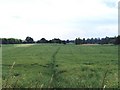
<point x="60" y="66"/>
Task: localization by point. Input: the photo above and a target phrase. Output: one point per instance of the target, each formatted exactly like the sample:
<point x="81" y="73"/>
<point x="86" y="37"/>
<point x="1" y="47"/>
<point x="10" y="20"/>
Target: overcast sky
<point x="64" y="19"/>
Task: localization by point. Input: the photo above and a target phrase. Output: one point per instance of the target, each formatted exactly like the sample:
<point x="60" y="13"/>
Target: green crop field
<point x="59" y="66"/>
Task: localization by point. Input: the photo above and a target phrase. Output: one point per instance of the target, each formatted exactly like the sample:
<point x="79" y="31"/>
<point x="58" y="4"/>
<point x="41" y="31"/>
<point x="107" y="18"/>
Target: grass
<point x="60" y="66"/>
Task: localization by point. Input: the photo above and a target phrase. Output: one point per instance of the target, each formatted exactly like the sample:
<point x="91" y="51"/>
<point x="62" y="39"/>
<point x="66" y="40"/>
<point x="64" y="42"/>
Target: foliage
<point x="77" y="41"/>
<point x="29" y="40"/>
<point x="43" y="40"/>
<point x="11" y="41"/>
<point x="106" y="40"/>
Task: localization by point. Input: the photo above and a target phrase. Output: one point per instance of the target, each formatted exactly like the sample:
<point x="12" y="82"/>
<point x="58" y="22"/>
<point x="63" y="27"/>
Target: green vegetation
<point x="60" y="66"/>
<point x="107" y="40"/>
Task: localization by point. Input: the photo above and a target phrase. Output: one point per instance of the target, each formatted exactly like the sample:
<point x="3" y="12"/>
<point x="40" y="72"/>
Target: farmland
<point x="59" y="66"/>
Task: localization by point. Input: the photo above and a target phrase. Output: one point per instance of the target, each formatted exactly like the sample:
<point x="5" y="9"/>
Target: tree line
<point x="77" y="41"/>
<point x="29" y="40"/>
<point x="106" y="40"/>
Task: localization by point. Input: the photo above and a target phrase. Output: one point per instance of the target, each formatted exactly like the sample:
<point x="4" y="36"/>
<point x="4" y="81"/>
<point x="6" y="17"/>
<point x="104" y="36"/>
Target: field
<point x="59" y="66"/>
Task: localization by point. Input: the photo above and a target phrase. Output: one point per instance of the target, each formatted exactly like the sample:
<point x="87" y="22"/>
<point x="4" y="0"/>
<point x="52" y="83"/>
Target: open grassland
<point x="60" y="66"/>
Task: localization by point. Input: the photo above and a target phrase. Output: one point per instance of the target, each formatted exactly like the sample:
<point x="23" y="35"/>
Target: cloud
<point x="58" y="18"/>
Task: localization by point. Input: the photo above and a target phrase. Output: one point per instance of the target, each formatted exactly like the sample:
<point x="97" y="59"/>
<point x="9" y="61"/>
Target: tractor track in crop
<point x="53" y="69"/>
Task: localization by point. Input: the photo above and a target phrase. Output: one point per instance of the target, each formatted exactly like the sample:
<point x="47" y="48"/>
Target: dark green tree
<point x="117" y="40"/>
<point x="78" y="41"/>
<point x="29" y="40"/>
<point x="56" y="40"/>
<point x="42" y="40"/>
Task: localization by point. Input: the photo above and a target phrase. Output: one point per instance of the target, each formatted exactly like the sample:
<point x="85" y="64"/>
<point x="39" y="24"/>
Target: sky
<point x="64" y="19"/>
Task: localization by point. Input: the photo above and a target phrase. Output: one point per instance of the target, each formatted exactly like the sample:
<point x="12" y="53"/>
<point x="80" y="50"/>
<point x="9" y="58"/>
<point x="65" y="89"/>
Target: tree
<point x="43" y="40"/>
<point x="10" y="41"/>
<point x="67" y="41"/>
<point x="56" y="40"/>
<point x="88" y="41"/>
<point x="117" y="40"/>
<point x="83" y="41"/>
<point x="63" y="42"/>
<point x="78" y="41"/>
<point x="29" y="40"/>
